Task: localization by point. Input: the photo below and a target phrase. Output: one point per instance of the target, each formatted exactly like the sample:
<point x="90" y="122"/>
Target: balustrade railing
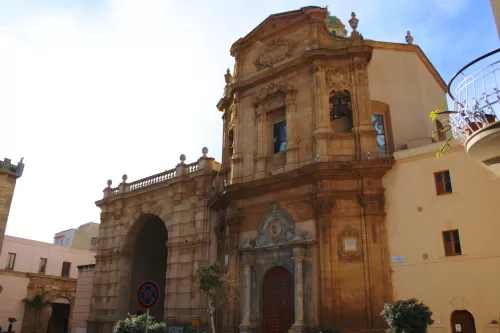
<point x="182" y="169"/>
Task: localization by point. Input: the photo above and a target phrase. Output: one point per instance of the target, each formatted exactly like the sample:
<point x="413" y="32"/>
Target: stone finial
<point x="109" y="183"/>
<point x="22" y="160"/>
<point x="204" y="151"/>
<point x="182" y="158"/>
<point x="353" y="22"/>
<point x="409" y="38"/>
<point x="124" y="178"/>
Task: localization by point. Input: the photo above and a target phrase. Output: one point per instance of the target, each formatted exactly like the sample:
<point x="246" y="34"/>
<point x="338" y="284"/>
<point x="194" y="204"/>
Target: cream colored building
<point x="31" y="267"/>
<point x="84" y="237"/>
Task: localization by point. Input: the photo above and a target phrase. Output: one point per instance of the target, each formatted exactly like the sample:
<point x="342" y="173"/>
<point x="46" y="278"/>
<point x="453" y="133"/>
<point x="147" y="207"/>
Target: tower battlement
<point x="11" y="169"/>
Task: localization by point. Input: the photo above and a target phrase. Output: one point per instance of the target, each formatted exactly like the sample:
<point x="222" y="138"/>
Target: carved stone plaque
<point x="348" y="244"/>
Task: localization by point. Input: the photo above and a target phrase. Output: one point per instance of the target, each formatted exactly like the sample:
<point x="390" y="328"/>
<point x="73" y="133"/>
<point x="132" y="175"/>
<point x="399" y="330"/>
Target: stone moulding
<point x="275" y="52"/>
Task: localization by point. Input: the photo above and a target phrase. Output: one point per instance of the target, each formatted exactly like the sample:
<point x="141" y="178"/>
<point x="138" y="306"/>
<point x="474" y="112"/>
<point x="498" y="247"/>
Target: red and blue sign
<point x="148" y="294"/>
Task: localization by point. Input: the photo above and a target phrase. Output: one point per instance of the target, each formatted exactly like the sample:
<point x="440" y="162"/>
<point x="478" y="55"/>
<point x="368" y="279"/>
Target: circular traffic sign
<point x="148" y="294"/>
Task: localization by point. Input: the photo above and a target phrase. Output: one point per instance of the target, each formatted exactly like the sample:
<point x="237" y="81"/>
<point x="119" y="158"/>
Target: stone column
<point x="292" y="140"/>
<point x="246" y="323"/>
<point x="322" y="126"/>
<point x="298" y="253"/>
<point x="261" y="151"/>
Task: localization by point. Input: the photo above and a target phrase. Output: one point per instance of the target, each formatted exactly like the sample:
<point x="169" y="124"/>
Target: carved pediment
<point x="276" y="51"/>
<point x="276" y="228"/>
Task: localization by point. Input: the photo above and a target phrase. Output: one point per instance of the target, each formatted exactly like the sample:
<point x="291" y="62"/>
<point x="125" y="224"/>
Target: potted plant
<point x="409" y="316"/>
<point x="473" y="122"/>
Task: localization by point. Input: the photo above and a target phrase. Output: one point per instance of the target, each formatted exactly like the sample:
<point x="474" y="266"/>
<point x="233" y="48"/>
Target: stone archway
<point x="60" y="314"/>
<point x="277" y="300"/>
<point x="146" y="259"/>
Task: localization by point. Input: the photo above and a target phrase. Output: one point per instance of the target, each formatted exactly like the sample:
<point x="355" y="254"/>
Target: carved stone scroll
<point x="338" y="78"/>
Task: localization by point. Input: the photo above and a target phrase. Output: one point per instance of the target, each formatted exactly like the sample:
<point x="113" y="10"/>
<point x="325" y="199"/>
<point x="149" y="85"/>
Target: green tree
<point x="38" y="302"/>
<point x="410" y="316"/>
<point x="216" y="287"/>
<point x="137" y="324"/>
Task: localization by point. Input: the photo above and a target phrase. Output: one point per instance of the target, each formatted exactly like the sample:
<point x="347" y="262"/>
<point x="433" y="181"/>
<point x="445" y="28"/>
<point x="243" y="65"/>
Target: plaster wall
<point x="28" y="253"/>
<point x="468" y="281"/>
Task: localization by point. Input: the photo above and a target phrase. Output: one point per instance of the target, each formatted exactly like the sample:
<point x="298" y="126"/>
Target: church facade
<point x="295" y="212"/>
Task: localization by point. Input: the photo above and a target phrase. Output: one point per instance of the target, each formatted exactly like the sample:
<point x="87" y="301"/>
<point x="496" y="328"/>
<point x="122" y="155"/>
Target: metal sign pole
<point x="147" y="320"/>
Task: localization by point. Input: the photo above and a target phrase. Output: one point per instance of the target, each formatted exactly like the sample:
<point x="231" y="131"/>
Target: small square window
<point x="451" y="240"/>
<point x="442" y="181"/>
<point x="279" y="132"/>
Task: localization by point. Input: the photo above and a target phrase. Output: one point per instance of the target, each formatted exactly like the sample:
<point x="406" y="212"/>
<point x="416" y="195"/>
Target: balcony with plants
<point x="475" y="118"/>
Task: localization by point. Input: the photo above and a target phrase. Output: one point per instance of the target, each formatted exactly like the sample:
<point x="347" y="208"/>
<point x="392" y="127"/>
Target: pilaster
<point x="292" y="155"/>
<point x="248" y="260"/>
<point x="261" y="152"/>
<point x="322" y="128"/>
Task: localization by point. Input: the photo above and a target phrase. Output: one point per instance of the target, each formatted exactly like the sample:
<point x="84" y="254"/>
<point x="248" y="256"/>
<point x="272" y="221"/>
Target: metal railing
<point x="476" y="97"/>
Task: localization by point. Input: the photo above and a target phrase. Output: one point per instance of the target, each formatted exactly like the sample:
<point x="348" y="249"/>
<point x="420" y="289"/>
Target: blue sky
<point x="92" y="89"/>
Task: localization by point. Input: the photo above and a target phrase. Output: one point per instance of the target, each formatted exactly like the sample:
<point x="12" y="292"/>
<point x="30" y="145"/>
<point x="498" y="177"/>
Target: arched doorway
<point x="277" y="301"/>
<point x="149" y="262"/>
<point x="59" y="315"/>
<point x="462" y="322"/>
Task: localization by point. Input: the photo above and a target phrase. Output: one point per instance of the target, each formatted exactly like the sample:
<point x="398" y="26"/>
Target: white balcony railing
<point x="477" y="96"/>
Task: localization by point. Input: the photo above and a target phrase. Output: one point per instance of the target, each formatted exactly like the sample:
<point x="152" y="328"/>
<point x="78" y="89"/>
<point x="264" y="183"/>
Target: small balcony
<point x="475" y="119"/>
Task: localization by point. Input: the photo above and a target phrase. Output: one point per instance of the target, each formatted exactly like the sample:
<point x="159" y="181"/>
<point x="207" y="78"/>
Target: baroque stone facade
<point x="314" y="205"/>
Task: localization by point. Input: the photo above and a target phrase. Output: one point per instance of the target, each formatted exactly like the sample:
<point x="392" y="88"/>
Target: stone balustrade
<point x="181" y="170"/>
<point x="15" y="170"/>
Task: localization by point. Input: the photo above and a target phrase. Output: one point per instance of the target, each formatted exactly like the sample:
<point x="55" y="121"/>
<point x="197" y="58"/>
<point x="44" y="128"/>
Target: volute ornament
<point x="275" y="52"/>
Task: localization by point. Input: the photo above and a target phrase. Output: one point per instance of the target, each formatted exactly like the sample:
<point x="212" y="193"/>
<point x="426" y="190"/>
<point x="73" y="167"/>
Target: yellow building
<point x="9" y="173"/>
<point x="442" y="224"/>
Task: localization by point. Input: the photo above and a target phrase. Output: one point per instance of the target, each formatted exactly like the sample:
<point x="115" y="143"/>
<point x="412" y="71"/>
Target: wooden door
<point x="462" y="322"/>
<point x="277" y="301"/>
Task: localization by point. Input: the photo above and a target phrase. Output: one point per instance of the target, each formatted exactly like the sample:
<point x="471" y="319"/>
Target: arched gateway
<point x="148" y="260"/>
<point x="145" y="225"/>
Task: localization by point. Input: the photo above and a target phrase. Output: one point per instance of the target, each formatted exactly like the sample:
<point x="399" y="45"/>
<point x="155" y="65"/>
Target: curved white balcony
<point x="475" y="120"/>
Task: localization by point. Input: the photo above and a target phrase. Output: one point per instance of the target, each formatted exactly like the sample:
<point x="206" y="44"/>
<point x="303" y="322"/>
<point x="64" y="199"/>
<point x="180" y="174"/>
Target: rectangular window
<point x="443" y="182"/>
<point x="11" y="261"/>
<point x="66" y="266"/>
<point x="43" y="265"/>
<point x="93" y="242"/>
<point x="279" y="132"/>
<point x="379" y="124"/>
<point x="451" y="240"/>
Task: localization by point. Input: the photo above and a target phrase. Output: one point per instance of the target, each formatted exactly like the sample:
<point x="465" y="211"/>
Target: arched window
<point x="341" y="111"/>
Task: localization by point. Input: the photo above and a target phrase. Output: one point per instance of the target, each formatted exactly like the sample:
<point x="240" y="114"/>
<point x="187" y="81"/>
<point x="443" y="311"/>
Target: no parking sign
<point x="148" y="294"/>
